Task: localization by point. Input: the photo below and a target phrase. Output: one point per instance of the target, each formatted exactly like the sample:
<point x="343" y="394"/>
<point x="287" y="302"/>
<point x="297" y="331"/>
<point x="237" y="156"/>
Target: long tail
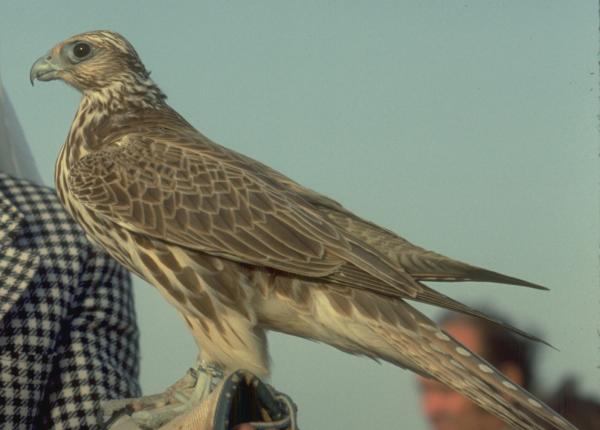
<point x="392" y="330"/>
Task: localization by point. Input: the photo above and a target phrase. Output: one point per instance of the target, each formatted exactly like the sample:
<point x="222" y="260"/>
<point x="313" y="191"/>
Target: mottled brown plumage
<point x="239" y="248"/>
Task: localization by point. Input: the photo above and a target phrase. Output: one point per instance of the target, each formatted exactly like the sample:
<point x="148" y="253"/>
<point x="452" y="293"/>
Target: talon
<point x="156" y="410"/>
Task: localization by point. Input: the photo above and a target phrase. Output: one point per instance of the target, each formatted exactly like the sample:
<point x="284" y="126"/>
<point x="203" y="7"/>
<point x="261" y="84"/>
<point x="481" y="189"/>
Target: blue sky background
<point x="468" y="127"/>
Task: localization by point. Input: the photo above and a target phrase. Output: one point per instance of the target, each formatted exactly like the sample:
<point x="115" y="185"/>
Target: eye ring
<point x="81" y="50"/>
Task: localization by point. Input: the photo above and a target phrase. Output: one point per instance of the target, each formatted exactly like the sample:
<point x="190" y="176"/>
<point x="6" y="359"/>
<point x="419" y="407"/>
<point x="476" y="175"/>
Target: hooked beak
<point x="44" y="69"/>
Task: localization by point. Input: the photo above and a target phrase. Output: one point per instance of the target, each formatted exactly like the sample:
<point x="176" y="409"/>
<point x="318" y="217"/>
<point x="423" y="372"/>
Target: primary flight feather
<point x="238" y="248"/>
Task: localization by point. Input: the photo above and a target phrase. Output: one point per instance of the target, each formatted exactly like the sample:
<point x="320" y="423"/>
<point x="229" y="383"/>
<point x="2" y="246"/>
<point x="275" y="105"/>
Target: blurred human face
<point x="445" y="408"/>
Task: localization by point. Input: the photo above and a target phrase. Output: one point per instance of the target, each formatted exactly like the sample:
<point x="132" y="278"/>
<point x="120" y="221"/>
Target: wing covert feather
<point x="174" y="194"/>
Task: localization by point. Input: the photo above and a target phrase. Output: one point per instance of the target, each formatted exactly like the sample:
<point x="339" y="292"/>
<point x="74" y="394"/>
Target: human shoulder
<point x="45" y="223"/>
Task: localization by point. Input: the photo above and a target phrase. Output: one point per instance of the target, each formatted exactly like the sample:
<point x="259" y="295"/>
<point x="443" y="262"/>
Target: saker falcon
<point x="238" y="248"/>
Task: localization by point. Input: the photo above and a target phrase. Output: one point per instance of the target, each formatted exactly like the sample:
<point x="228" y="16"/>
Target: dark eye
<point x="81" y="50"/>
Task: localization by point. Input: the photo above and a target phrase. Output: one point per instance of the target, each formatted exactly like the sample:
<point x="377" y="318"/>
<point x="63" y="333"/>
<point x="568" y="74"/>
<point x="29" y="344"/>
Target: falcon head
<point x="92" y="61"/>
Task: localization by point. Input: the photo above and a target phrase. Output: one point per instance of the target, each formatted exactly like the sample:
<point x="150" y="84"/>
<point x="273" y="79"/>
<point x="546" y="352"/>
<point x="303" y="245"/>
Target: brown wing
<point x="422" y="264"/>
<point x="176" y="195"/>
<point x="206" y="198"/>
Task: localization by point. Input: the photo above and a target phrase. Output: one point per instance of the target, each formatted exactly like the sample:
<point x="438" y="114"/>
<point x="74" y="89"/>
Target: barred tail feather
<point x="392" y="330"/>
<point x="438" y="355"/>
<point x="380" y="327"/>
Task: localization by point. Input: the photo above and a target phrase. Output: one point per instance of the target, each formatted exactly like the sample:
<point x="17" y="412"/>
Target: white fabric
<point x="15" y="156"/>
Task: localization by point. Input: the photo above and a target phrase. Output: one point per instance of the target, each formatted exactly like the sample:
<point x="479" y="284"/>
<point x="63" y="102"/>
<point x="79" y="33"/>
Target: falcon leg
<point x="113" y="409"/>
<point x="150" y="412"/>
<point x="208" y="375"/>
<point x="186" y="396"/>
